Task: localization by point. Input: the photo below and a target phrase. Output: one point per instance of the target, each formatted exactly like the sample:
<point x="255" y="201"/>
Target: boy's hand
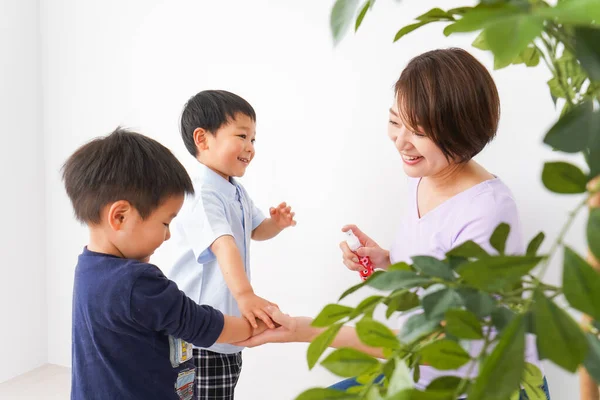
<point x="282" y="216"/>
<point x="253" y="307"/>
<point x="262" y="327"/>
<point x="289" y="329"/>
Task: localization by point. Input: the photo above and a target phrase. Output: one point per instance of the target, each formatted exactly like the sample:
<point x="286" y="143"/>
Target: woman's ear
<point x="119" y="214"/>
<point x="200" y="139"/>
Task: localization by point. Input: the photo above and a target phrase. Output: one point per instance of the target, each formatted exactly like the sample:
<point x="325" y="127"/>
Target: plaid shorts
<point x="216" y="374"/>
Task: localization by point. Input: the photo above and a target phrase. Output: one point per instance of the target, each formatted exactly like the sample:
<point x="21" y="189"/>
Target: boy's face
<point x="230" y="150"/>
<point x="138" y="238"/>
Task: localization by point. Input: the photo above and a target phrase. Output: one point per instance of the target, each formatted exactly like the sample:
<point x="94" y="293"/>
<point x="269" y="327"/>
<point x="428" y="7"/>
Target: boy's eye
<point x="243" y="136"/>
<point x="166" y="225"/>
<point x="253" y="140"/>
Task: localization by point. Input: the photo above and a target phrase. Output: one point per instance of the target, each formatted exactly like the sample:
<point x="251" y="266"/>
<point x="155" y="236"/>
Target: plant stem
<point x="559" y="240"/>
<point x="474" y="362"/>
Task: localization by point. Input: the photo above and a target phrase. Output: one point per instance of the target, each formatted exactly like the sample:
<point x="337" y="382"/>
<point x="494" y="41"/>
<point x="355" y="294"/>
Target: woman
<point x="446" y="111"/>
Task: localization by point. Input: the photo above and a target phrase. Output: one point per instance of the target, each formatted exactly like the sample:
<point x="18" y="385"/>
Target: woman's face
<point x="421" y="157"/>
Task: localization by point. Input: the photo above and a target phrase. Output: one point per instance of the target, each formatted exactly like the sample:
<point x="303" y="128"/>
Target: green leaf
<point x="516" y="395"/>
<point x="581" y="284"/>
<point x="437" y="303"/>
<point x="529" y="325"/>
<point x="532" y="375"/>
<point x="559" y="338"/>
<point x="416" y="327"/>
<point x="573" y="132"/>
<point x="444" y="354"/>
<point x="416" y="373"/>
<point x="341" y="17"/>
<point x="501" y="317"/>
<point x="373" y="394"/>
<point x="392" y="280"/>
<point x="443" y="383"/>
<point x="320" y="344"/>
<point x="580" y="12"/>
<point x="414" y="394"/>
<point x="330" y="314"/>
<point x="361" y="15"/>
<point x="587" y="49"/>
<point x="501" y="371"/>
<point x="532" y="381"/>
<point x="368" y="377"/>
<point x="593" y="232"/>
<point x="358" y="286"/>
<point x="409" y="28"/>
<point x="459" y="11"/>
<point x="366" y="306"/>
<point x="479" y="303"/>
<point x="403" y="301"/>
<point x="435" y="14"/>
<point x="468" y="249"/>
<point x="400" y="379"/>
<point x="376" y="334"/>
<point x="463" y="324"/>
<point x="347" y="362"/>
<point x="592" y="361"/>
<point x="593" y="159"/>
<point x="455" y="262"/>
<point x="535" y="244"/>
<point x="508" y="37"/>
<point x="499" y="237"/>
<point x="494" y="273"/>
<point x="326" y="394"/>
<point x="557" y="91"/>
<point x="400" y="266"/>
<point x="433" y="267"/>
<point x="480" y="43"/>
<point x="479" y="18"/>
<point x="530" y="57"/>
<point x="562" y="177"/>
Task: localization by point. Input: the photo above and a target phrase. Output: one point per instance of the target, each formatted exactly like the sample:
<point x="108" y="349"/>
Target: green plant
<point x="470" y="292"/>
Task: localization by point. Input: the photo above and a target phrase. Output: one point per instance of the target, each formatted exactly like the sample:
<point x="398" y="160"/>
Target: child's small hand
<point x="263" y="327"/>
<point x="282" y="215"/>
<point x="253" y="307"/>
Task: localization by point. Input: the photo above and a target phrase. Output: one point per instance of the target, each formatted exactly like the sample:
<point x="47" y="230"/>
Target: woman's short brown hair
<point x="450" y="97"/>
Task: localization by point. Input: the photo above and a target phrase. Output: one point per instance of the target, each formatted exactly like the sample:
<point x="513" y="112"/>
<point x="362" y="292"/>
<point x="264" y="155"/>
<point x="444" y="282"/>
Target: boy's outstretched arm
<point x="157" y="304"/>
<point x="237" y="329"/>
<point x="231" y="264"/>
<point x="281" y="218"/>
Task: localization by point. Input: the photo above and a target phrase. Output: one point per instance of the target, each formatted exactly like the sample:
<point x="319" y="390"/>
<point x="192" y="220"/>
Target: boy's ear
<point x="118" y="214"/>
<point x="200" y="139"/>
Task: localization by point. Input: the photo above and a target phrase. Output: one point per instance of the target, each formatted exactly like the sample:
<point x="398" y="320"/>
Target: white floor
<point x="49" y="382"/>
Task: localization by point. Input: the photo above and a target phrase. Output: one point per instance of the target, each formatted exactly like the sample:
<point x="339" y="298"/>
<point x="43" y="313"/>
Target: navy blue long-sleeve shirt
<point x="123" y="313"/>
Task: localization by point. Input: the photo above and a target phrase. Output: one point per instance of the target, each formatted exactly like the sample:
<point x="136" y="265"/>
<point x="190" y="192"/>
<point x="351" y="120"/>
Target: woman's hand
<point x="379" y="257"/>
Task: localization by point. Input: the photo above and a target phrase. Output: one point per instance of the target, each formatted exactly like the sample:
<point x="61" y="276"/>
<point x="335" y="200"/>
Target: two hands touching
<point x="288" y="329"/>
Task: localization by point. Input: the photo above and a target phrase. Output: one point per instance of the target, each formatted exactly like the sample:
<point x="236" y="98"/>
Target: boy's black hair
<point x="124" y="165"/>
<point x="210" y="110"/>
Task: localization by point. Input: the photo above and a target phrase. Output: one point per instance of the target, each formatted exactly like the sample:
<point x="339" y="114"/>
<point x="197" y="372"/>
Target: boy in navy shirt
<point x="131" y="325"/>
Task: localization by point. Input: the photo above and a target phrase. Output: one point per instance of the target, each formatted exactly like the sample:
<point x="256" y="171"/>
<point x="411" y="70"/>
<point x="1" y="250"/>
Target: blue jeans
<point x="348" y="383"/>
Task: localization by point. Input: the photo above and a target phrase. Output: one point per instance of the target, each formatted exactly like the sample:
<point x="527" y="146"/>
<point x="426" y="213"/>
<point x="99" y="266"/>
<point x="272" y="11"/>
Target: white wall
<point x="321" y="142"/>
<point x="22" y="285"/>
